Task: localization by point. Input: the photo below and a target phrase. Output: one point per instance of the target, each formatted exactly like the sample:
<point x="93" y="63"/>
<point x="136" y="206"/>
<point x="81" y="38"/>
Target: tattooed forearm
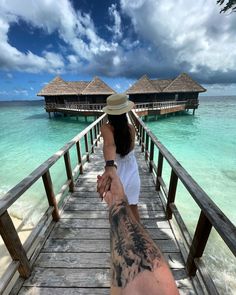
<point x="133" y="251"/>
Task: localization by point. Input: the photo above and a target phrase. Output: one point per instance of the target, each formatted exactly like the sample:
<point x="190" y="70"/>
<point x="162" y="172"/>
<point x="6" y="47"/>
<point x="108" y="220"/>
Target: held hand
<point x="104" y="181"/>
<point x="103" y="185"/>
<point x="113" y="191"/>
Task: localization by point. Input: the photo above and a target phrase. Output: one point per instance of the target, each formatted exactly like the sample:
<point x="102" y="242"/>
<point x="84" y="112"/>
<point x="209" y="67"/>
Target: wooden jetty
<point x="68" y="251"/>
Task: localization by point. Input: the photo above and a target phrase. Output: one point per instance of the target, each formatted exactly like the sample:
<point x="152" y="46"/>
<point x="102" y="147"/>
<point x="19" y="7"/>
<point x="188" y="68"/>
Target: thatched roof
<point x="182" y="83"/>
<point x="161" y="84"/>
<point x="143" y="85"/>
<point x="78" y="85"/>
<point x="60" y="87"/>
<point x="97" y="86"/>
<point x="57" y="87"/>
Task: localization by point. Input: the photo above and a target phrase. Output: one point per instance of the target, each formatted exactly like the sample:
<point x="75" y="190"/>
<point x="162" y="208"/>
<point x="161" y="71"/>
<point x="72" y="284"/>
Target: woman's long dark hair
<point x="122" y="134"/>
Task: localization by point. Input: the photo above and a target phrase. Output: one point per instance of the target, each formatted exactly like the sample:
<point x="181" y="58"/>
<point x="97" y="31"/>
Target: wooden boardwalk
<point x="76" y="256"/>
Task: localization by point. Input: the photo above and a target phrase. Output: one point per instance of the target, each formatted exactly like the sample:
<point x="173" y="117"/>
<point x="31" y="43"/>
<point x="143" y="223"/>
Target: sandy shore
<point x="23" y="232"/>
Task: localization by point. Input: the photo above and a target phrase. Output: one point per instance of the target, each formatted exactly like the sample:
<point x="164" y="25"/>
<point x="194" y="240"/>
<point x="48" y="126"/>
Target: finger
<point x="108" y="185"/>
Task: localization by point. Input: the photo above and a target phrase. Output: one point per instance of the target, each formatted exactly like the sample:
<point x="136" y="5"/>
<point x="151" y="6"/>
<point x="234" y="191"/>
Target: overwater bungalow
<point x="158" y="97"/>
<point x="181" y="88"/>
<point x="61" y="92"/>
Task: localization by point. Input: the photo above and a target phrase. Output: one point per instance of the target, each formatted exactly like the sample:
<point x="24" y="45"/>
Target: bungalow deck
<point x="141" y="109"/>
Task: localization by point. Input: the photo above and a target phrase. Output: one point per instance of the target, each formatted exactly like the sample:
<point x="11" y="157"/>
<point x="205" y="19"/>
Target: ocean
<point x="205" y="145"/>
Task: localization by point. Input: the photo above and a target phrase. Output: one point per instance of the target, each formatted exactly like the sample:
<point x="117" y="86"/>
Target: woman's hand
<point x="104" y="181"/>
<point x="111" y="189"/>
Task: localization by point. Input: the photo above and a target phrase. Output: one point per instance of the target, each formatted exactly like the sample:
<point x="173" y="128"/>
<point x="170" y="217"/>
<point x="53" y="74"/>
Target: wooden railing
<point x="19" y="252"/>
<point x="75" y="106"/>
<point x="138" y="106"/>
<point x="210" y="216"/>
<point x="158" y="105"/>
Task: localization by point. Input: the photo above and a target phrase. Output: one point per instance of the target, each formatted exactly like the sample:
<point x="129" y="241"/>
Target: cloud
<point x="187" y="35"/>
<point x="116" y="28"/>
<point x="74" y="28"/>
<point x="157" y="37"/>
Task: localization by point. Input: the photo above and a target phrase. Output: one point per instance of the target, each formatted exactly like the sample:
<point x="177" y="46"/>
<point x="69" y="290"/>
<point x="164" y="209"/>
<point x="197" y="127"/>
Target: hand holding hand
<point x="113" y="191"/>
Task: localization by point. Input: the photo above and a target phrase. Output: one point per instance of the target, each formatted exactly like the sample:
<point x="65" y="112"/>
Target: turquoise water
<point x="28" y="138"/>
<point x="205" y="144"/>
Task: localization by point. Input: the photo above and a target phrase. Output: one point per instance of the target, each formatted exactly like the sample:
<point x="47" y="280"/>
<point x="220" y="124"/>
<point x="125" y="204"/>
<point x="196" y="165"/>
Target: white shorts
<point x="127" y="170"/>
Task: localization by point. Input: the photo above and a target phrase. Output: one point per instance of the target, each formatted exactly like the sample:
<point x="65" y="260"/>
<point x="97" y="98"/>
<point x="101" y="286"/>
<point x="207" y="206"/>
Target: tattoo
<point x="133" y="251"/>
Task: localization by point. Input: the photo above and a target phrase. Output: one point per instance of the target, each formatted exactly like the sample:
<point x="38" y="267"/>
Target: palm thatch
<point x="143" y="85"/>
<point x="161" y="84"/>
<point x="97" y="86"/>
<point x="182" y="83"/>
<point x="57" y="87"/>
<point x="78" y="85"/>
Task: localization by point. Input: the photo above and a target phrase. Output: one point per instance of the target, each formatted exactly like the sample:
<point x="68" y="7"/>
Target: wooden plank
<point x="63" y="291"/>
<point x="93" y="181"/>
<point x="96" y="200"/>
<point x="77" y="246"/>
<point x="59" y="277"/>
<point x="89" y="278"/>
<point x="73" y="206"/>
<point x="144" y="194"/>
<point x="105" y="214"/>
<point x="92" y="260"/>
<point x="95" y="234"/>
<point x="85" y="214"/>
<point x="74" y="260"/>
<point x="90" y="188"/>
<point x="84" y="223"/>
<point x="104" y="223"/>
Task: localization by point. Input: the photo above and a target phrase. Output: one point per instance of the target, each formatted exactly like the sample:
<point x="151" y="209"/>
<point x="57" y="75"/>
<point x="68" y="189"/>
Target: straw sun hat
<point x="118" y="104"/>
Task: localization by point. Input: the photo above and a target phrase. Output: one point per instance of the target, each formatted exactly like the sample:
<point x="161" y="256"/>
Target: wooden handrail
<point x="99" y="106"/>
<point x="210" y="213"/>
<point x="7" y="229"/>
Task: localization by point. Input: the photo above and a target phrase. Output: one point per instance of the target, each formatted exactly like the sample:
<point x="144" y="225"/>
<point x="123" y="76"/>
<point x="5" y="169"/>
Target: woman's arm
<point x="109" y="153"/>
<point x="109" y="147"/>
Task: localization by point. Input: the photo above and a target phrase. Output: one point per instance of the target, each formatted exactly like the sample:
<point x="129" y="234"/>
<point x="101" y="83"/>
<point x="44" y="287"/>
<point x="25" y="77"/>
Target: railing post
<point x="86" y="146"/>
<point x="50" y="195"/>
<point x="171" y="193"/>
<point x="142" y="139"/>
<point x="151" y="156"/>
<point x="199" y="242"/>
<point x="91" y="140"/>
<point x="140" y="134"/>
<point x="95" y="135"/>
<point x="146" y="146"/>
<point x="13" y="244"/>
<point x="69" y="171"/>
<point x="81" y="171"/>
<point x="159" y="170"/>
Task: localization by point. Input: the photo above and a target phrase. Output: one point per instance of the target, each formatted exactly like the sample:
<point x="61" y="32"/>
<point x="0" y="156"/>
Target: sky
<point x="117" y="40"/>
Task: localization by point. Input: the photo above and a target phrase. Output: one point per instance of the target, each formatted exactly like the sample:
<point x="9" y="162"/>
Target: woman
<point x="118" y="148"/>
